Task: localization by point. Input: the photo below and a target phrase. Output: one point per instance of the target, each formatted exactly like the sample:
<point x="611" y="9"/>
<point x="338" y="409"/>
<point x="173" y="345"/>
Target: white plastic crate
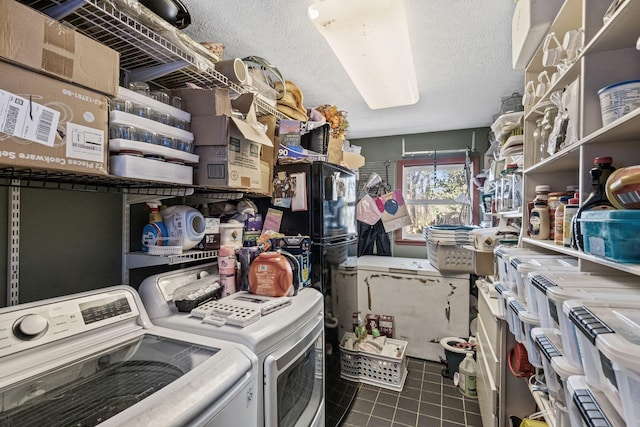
<point x="450" y="258"/>
<point x="375" y="369"/>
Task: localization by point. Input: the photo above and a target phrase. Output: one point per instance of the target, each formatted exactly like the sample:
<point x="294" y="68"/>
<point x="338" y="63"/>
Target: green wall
<point x="390" y="148"/>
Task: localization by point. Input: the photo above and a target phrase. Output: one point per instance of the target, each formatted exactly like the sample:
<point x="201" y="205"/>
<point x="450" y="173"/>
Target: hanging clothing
<point x="373" y="239"/>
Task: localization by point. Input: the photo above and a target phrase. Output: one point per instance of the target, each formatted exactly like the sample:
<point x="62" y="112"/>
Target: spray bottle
<point x="154" y="233"/>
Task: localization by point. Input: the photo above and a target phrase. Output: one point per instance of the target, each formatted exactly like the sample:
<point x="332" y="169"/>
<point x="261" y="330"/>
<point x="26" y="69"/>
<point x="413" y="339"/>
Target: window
<point x="436" y="192"/>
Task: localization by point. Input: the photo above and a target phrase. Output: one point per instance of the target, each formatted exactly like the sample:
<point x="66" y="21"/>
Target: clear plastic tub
<point x="536" y="285"/>
<point x="609" y="339"/>
<point x="503" y="295"/>
<point x="565" y="286"/>
<point x="502" y="254"/>
<point x="514" y="307"/>
<point x="588" y="407"/>
<point x="521" y="265"/>
<point x="565" y="369"/>
<point x="573" y="349"/>
<point x="529" y="321"/>
<point x="549" y="346"/>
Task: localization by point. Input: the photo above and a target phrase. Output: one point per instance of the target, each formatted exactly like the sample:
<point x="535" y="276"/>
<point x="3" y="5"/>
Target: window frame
<point x="474" y="194"/>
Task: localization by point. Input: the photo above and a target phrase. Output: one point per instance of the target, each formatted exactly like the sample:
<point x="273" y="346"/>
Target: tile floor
<point x="427" y="400"/>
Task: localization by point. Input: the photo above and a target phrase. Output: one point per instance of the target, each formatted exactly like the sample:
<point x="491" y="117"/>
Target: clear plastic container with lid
<point x="507" y="186"/>
<point x="516" y="189"/>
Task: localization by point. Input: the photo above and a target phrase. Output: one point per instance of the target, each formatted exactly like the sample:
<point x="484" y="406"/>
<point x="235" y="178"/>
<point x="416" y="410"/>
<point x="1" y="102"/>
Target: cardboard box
<point x="206" y="102"/>
<point x="530" y="22"/>
<point x="230" y="149"/>
<point x="51" y="125"/>
<point x="33" y="40"/>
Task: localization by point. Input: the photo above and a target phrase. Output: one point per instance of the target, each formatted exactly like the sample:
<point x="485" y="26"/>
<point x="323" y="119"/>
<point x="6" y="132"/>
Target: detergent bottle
<point x="154" y="233"/>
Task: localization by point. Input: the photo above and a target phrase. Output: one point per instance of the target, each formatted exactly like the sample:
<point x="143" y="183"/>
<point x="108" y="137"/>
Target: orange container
<point x="270" y="275"/>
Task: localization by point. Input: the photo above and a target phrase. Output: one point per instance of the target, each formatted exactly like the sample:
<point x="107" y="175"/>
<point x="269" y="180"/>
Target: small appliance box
<point x="386" y="325"/>
<point x="300" y="247"/>
<point x="49" y="124"/>
<point x="35" y="41"/>
<point x="229" y="148"/>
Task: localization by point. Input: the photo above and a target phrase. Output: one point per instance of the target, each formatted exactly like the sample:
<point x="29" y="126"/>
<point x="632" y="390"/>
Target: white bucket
<point x="618" y="99"/>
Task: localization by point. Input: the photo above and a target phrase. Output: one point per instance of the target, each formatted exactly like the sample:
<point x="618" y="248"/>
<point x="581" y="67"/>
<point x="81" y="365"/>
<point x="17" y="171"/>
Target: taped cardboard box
<point x="51" y="125"/>
<point x="230" y="148"/>
<point x="206" y="102"/>
<point x="34" y="40"/>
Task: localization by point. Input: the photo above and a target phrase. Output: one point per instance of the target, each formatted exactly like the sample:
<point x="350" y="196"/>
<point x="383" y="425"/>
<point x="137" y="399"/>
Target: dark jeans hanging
<point x="373" y="240"/>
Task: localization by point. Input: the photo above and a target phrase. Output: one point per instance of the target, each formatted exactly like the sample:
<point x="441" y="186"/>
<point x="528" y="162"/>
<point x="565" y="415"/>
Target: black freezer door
<point x="330" y="213"/>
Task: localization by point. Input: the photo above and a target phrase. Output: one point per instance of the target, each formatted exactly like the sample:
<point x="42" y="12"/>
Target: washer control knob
<point x="31" y="326"/>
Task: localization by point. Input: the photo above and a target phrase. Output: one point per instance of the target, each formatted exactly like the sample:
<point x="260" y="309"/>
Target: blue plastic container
<point x="613" y="234"/>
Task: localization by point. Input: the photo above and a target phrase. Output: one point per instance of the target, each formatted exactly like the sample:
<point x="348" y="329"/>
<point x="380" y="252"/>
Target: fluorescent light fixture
<point x="371" y="40"/>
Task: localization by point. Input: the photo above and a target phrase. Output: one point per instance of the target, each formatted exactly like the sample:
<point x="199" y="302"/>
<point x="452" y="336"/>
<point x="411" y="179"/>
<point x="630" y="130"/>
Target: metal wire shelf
<point x="54" y="180"/>
<point x="144" y="54"/>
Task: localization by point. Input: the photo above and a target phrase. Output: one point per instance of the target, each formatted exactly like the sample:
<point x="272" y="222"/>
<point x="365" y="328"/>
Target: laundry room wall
<point x="377" y="151"/>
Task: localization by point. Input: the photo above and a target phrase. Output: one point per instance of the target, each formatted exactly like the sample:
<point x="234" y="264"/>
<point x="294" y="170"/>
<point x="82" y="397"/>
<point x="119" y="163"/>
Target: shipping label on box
<point x="49" y="124"/>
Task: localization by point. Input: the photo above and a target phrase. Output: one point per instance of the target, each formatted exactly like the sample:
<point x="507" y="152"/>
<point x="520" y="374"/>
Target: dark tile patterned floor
<point x="427" y="400"/>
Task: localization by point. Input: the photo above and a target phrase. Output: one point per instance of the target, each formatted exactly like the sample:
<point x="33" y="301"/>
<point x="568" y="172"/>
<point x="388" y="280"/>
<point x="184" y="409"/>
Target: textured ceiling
<point x="462" y="54"/>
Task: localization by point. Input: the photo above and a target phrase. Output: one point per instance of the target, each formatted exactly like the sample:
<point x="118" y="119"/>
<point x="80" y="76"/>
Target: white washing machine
<point x="288" y="342"/>
<point x="95" y="359"/>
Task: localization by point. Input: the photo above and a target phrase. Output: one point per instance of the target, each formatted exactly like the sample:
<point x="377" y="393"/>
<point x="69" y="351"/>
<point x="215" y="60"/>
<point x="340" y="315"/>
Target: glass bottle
<point x="516" y="188"/>
<point x="597" y="199"/>
<point x="548" y="120"/>
<point x="537" y="139"/>
<point x="559" y="220"/>
<point x="507" y="189"/>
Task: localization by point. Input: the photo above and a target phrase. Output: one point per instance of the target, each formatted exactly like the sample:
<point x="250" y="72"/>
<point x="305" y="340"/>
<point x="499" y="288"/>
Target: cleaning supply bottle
<point x="467" y="371"/>
<point x="185" y="224"/>
<point x="597" y="199"/>
<point x="154" y="233"/>
<point x="227" y="270"/>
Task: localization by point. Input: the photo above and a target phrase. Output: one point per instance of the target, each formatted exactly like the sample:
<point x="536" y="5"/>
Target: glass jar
<point x="516" y="189"/>
<point x="122" y="132"/>
<point x="537" y="139"/>
<point x="140" y="87"/>
<point x="548" y="120"/>
<point x="553" y="201"/>
<point x="507" y="189"/>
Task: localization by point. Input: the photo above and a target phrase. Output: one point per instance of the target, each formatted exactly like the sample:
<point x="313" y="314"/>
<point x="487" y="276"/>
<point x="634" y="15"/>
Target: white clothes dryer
<point x="288" y="342"/>
<point x="95" y="359"/>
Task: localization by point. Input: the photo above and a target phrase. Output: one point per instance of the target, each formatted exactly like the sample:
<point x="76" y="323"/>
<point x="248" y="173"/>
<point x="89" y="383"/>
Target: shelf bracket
<point x="64" y="9"/>
<point x="155" y="72"/>
<point x="13" y="249"/>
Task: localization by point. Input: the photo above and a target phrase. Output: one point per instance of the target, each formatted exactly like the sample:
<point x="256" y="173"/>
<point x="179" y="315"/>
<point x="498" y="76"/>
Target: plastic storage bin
<point x="565" y="369"/>
<point x="618" y="99"/>
<point x="521" y="265"/>
<point x="588" y="407"/>
<point x="609" y="341"/>
<point x="375" y="369"/>
<point x="529" y="321"/>
<point x="564" y="286"/>
<point x="514" y="307"/>
<point x="613" y="234"/>
<point x="536" y="285"/>
<point x="503" y="303"/>
<point x="502" y="255"/>
<point x="549" y="345"/>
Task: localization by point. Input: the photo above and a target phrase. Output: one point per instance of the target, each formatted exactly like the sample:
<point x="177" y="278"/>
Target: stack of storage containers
<point x="608" y="332"/>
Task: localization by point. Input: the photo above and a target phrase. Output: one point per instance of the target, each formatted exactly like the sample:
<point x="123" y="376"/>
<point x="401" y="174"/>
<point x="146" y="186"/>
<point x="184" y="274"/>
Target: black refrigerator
<point x="319" y="200"/>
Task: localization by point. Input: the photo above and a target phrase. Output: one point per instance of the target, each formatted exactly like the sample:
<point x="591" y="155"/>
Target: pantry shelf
<point x="547" y="244"/>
